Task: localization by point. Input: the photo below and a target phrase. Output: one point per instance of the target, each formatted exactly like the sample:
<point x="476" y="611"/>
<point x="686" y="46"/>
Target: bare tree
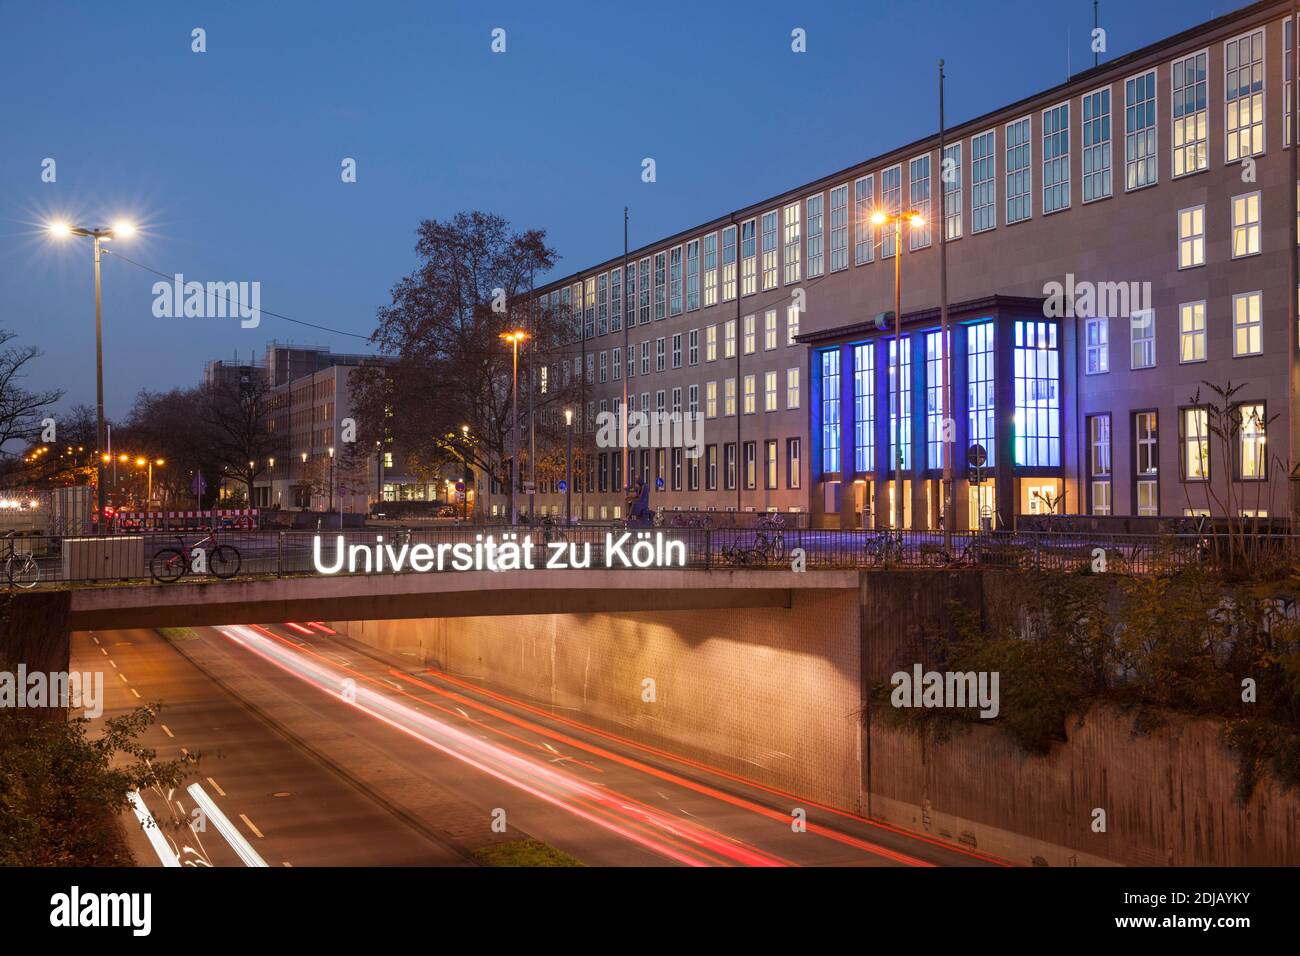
<point x="21" y="411"/>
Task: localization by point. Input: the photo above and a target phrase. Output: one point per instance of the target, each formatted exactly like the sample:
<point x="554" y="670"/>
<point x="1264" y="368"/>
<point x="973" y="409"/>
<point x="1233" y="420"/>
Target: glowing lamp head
<point x="60" y="230"/>
<point x="917" y="221"/>
<point x="879" y="219"/>
<point x="123" y="230"/>
<point x="568" y="416"/>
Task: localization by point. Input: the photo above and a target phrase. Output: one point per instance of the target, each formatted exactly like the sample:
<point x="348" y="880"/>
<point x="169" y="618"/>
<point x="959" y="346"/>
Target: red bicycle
<point x="168" y="565"/>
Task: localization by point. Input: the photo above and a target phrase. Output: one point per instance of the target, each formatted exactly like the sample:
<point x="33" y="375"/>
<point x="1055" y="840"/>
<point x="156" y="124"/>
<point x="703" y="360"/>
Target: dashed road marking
<point x="216" y="786"/>
<point x="249" y="823"/>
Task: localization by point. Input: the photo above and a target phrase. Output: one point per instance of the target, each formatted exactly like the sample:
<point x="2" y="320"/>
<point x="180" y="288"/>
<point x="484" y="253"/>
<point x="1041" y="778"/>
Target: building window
<point x="793" y="243"/>
<point x="660" y="407"/>
<point x="1146" y="463"/>
<point x="693" y="347"/>
<point x="1243" y="61"/>
<point x="769" y="329"/>
<point x="616" y="300"/>
<point x="1288" y="71"/>
<point x="793" y="463"/>
<point x="830" y="402"/>
<point x="660" y="354"/>
<point x="589" y="309"/>
<point x="1252" y="460"/>
<point x="1056" y="158"/>
<point x="934" y="425"/>
<point x="864" y="408"/>
<point x="711" y="344"/>
<point x="791" y="323"/>
<point x="710" y="399"/>
<point x="770" y="403"/>
<point x="748" y="258"/>
<point x="792" y="387"/>
<point x="981" y="414"/>
<point x="891" y="201"/>
<point x="729" y="465"/>
<point x="1037" y="365"/>
<point x="1140" y="131"/>
<point x="1191" y="134"/>
<point x="1245" y="225"/>
<point x="729" y="339"/>
<point x="900" y="428"/>
<point x="693" y="399"/>
<point x="1191" y="332"/>
<point x="815" y="238"/>
<point x="616" y="364"/>
<point x="677" y="469"/>
<point x="1247" y="324"/>
<point x="1142" y="339"/>
<point x="1191" y="237"/>
<point x="1194" y="436"/>
<point x="750" y="335"/>
<point x="602" y="304"/>
<point x="729" y="397"/>
<point x="661" y="292"/>
<point x="1096" y="145"/>
<point x="769" y="250"/>
<point x="950" y="174"/>
<point x="1099" y="475"/>
<point x="918" y="183"/>
<point x="711" y="468"/>
<point x="771" y="477"/>
<point x="643" y="286"/>
<point x="983" y="181"/>
<point x="751" y="465"/>
<point x="749" y="394"/>
<point x="864" y="195"/>
<point x="692" y="275"/>
<point x="711" y="269"/>
<point x="677" y="350"/>
<point x="645" y="357"/>
<point x="1097" y="339"/>
<point x="1020" y="173"/>
<point x="675" y="281"/>
<point x="728" y="265"/>
<point x="693" y="474"/>
<point x="604" y="367"/>
<point x="839" y="229"/>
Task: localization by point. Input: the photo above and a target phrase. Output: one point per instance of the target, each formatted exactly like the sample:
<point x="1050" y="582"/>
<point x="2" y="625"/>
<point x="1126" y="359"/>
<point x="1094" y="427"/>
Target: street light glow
<point x="519" y="335"/>
<point x="879" y="218"/>
<point x="124" y="230"/>
<point x="60" y="230"/>
<point x="917" y="220"/>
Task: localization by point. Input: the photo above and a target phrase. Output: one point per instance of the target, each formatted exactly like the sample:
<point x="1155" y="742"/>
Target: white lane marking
<point x="227" y="829"/>
<point x="166" y="730"/>
<point x="184" y="752"/>
<point x="111" y="661"/>
<point x="287" y="863"/>
<point x="249" y="823"/>
<point x="94" y="638"/>
<point x="104" y="651"/>
<point x="136" y="692"/>
<point x="123" y="676"/>
<point x="165" y="855"/>
<point x="216" y="786"/>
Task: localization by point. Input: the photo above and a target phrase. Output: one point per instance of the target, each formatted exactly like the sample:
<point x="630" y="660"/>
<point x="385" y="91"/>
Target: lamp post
<point x="306" y="498"/>
<point x="914" y="219"/>
<point x="467" y="474"/>
<point x="97" y="236"/>
<point x="140" y="463"/>
<point x="331" y="503"/>
<point x="514" y="338"/>
<point x="568" y="468"/>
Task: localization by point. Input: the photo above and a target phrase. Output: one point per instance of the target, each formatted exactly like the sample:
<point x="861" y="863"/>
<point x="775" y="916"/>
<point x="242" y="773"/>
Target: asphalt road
<point x="390" y="764"/>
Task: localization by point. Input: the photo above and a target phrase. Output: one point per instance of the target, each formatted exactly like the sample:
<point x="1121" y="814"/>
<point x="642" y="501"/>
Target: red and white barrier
<point x="242" y="518"/>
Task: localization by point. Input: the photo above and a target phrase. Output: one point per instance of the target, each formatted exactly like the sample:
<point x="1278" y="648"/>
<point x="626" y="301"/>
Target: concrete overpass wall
<point x="771" y="694"/>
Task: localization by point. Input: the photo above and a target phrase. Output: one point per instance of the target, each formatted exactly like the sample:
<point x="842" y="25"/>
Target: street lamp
<point x="124" y="230"/>
<point x="514" y="338"/>
<point x="568" y="468"/>
<point x="915" y="220"/>
<point x="306" y="498"/>
<point x="331" y="507"/>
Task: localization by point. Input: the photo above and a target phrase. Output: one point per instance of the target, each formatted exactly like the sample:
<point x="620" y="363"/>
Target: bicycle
<point x="884" y="547"/>
<point x="552" y="530"/>
<point x="168" y="565"/>
<point x="775" y="545"/>
<point x="21" y="569"/>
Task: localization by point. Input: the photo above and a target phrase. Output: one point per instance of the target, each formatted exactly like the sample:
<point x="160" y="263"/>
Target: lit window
<point x="1037" y="369"/>
<point x="1245" y="225"/>
<point x="1191" y="237"/>
<point x="864" y="408"/>
<point x="950" y="173"/>
<point x="918" y="181"/>
<point x="830" y="408"/>
<point x="791" y="323"/>
<point x="1194" y="433"/>
<point x="1099" y="474"/>
<point x="934" y="425"/>
<point x="1243" y="88"/>
<point x="1191" y="138"/>
<point x="1191" y="332"/>
<point x="981" y="413"/>
<point x="750" y="335"/>
<point x="1097" y="332"/>
<point x="900" y="426"/>
<point x="793" y="243"/>
<point x="729" y="339"/>
<point x="729" y="397"/>
<point x="710" y="399"/>
<point x="1146" y="463"/>
<point x="728" y="265"/>
<point x="1142" y="339"/>
<point x="792" y="387"/>
<point x="769" y="392"/>
<point x="749" y="394"/>
<point x="891" y="202"/>
<point x="769" y="250"/>
<point x="748" y="258"/>
<point x="864" y="194"/>
<point x="1247" y="324"/>
<point x="769" y="329"/>
<point x="1252" y="462"/>
<point x="711" y="343"/>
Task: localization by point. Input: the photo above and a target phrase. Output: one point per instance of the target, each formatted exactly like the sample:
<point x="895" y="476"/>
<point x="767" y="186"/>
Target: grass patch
<point x="524" y="853"/>
<point x="178" y="633"/>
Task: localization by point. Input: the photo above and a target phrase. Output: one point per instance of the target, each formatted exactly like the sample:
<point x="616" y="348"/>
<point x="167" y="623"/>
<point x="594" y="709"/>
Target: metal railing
<point x="134" y="557"/>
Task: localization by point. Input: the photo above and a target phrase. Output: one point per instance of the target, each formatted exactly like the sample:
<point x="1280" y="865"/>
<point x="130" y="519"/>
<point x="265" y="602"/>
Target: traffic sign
<point x="976" y="456"/>
<point x="460" y="487"/>
<point x="563" y="485"/>
<point x="659" y="484"/>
